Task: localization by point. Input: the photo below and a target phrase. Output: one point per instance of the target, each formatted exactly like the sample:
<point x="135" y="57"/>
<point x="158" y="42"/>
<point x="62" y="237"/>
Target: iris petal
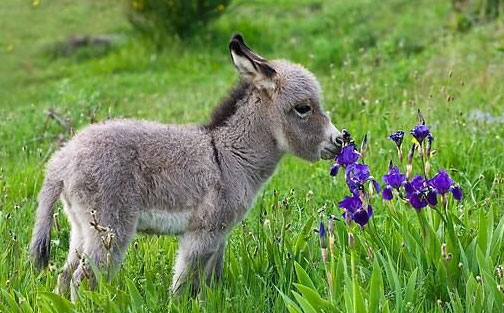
<point x="361" y="217"/>
<point x="387" y="193"/>
<point x="457" y="192"/>
<point x="417" y="201"/>
<point x="420" y="132"/>
<point x="370" y="211"/>
<point x="347" y="156"/>
<point x="394" y="178"/>
<point x="376" y="185"/>
<point x="408" y="187"/>
<point x="351" y="204"/>
<point x="432" y="197"/>
<point x="441" y="182"/>
<point x="334" y="169"/>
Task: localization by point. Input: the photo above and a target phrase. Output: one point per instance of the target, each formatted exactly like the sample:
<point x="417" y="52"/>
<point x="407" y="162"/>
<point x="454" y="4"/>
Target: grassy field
<point x="377" y="61"/>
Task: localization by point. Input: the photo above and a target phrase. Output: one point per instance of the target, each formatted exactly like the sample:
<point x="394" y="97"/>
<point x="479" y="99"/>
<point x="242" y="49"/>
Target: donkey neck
<point x="245" y="146"/>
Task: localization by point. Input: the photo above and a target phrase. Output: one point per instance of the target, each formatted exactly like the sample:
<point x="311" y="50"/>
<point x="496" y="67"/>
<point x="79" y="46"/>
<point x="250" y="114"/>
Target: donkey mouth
<point x="329" y="153"/>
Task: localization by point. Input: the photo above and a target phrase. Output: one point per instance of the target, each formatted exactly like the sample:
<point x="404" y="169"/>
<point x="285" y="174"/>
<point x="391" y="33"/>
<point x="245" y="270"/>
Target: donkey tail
<point x="40" y="245"/>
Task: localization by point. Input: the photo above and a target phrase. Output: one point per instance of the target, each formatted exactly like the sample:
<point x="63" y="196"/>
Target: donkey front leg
<point x="199" y="255"/>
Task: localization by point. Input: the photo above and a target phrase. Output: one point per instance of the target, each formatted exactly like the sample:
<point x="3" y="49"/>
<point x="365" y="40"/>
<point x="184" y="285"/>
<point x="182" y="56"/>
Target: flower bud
<point x="411" y="154"/>
<point x="409" y="169"/>
<point x="351" y="241"/>
<point x="364" y="146"/>
<point x="420" y="117"/>
<point x="322" y="236"/>
<point x="430" y="139"/>
<point x="347" y="138"/>
<point x="370" y="253"/>
<point x="397" y="138"/>
<point x="427" y="167"/>
<point x="330" y="226"/>
<point x="371" y="189"/>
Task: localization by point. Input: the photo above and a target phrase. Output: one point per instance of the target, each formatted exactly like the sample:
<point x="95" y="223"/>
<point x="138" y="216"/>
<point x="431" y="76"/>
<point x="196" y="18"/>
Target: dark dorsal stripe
<point x="228" y="106"/>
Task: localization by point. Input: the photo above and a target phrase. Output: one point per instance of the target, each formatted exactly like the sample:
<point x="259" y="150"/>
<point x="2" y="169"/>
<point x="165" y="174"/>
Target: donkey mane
<point x="228" y="106"/>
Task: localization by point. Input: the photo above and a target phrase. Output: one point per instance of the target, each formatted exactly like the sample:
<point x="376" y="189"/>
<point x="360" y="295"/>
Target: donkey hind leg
<point x="219" y="262"/>
<point x="74" y="251"/>
<point x="198" y="255"/>
<point x="72" y="262"/>
<point x="104" y="246"/>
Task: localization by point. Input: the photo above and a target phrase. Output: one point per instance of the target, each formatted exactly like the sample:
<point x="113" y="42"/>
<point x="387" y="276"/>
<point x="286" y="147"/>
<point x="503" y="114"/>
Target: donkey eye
<point x="302" y="109"/>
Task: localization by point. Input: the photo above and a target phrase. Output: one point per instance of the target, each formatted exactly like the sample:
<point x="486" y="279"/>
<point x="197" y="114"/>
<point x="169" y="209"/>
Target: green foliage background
<point x="377" y="61"/>
<point x="157" y="19"/>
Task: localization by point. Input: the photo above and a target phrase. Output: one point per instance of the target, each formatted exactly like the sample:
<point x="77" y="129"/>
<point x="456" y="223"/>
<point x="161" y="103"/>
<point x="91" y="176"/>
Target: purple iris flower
<point x="443" y="183"/>
<point x="346" y="157"/>
<point x="357" y="175"/>
<point x="356" y="207"/>
<point x="416" y="184"/>
<point x="358" y="172"/>
<point x="354" y="210"/>
<point x="350" y="204"/>
<point x="397" y="137"/>
<point x="394" y="179"/>
<point x="417" y="201"/>
<point x="361" y="216"/>
<point x="420" y="132"/>
<point x="419" y="193"/>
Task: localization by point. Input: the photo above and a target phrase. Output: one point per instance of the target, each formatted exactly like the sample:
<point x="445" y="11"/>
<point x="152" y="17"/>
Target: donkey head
<point x="290" y="102"/>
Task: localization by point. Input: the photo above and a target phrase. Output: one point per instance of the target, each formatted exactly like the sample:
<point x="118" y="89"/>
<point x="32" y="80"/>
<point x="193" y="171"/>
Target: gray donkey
<point x="123" y="176"/>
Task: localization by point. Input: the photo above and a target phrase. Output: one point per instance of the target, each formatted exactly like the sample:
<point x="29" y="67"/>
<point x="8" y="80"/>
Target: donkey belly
<point x="163" y="222"/>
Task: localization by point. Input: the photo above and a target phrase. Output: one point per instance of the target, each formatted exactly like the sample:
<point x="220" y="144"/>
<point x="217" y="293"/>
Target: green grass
<point x="377" y="61"/>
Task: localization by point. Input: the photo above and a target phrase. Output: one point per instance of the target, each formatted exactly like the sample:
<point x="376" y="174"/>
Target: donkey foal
<point x="196" y="182"/>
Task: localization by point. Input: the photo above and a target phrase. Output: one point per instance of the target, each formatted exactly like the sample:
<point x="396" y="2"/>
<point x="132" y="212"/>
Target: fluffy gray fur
<point x="195" y="182"/>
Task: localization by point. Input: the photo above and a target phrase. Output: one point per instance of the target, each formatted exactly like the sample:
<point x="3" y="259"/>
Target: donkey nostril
<point x="338" y="141"/>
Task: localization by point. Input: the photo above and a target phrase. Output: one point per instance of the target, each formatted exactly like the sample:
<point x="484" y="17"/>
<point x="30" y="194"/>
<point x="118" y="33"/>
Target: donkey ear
<point x="250" y="65"/>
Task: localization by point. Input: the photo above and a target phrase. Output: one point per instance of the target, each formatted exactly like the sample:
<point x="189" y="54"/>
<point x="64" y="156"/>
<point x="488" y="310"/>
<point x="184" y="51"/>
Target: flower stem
<point x="440" y="214"/>
<point x="328" y="270"/>
<point x="421" y="222"/>
<point x="421" y="151"/>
